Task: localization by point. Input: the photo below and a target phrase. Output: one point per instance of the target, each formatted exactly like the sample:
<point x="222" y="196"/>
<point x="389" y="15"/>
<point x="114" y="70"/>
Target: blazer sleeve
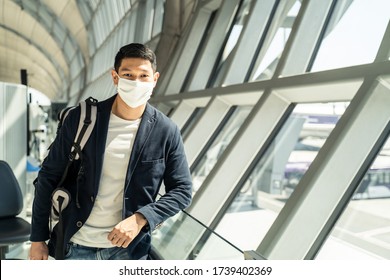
<point x="49" y="176"/>
<point x="178" y="185"/>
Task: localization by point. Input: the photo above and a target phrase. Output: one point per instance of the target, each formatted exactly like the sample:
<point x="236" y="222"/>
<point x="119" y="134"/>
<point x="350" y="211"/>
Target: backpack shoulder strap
<point x="62" y="116"/>
<point x="86" y="124"/>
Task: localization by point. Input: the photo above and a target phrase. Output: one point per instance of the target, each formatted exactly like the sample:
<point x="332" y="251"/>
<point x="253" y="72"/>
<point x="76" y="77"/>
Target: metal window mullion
<point x="307" y="37"/>
<point x="181" y="113"/>
<point x="319" y="192"/>
<point x="234" y="161"/>
<point x="158" y="18"/>
<point x="292" y="41"/>
<point x="142" y="24"/>
<point x="148" y="20"/>
<point x="347" y="75"/>
<point x="278" y="13"/>
<point x="179" y="65"/>
<point x="204" y="128"/>
<point x="248" y="42"/>
<point x="221" y="181"/>
<point x="202" y="153"/>
<point x="384" y="48"/>
<point x="270" y="110"/>
<point x="213" y="45"/>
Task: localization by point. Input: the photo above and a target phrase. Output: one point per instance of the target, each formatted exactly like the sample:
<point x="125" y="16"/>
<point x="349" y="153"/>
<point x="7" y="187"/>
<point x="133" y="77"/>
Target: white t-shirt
<point x="107" y="209"/>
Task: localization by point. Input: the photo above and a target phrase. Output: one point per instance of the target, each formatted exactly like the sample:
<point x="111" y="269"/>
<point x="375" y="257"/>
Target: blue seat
<point x="13" y="229"/>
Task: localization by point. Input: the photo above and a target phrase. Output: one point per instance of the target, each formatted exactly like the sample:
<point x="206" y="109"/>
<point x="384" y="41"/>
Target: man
<point x="131" y="151"/>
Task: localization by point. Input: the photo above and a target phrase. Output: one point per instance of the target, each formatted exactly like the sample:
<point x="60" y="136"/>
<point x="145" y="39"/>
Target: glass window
<point x="59" y="33"/>
<point x="92" y="40"/>
<point x="94" y="4"/>
<point x="115" y="12"/>
<point x="68" y="47"/>
<point x="183" y="231"/>
<point x="275" y="42"/>
<point x="231" y="42"/>
<point x="363" y="231"/>
<point x="85" y="11"/>
<point x="45" y="17"/>
<point x="353" y="35"/>
<point x="218" y="146"/>
<point x="192" y="120"/>
<point x="278" y="172"/>
<point x="158" y="17"/>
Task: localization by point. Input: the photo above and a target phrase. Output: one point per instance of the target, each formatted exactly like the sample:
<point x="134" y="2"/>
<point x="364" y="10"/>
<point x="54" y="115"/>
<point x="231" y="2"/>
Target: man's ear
<point x="155" y="77"/>
<point x="114" y="76"/>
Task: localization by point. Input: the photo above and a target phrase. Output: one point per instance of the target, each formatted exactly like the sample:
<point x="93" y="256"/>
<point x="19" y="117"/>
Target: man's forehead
<point x="130" y="63"/>
<point x="135" y="67"/>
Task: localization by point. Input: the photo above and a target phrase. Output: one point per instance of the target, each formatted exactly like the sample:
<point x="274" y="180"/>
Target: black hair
<point x="135" y="50"/>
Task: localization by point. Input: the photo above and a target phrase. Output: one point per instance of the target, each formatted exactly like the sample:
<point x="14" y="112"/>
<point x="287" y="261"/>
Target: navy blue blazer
<point x="157" y="157"/>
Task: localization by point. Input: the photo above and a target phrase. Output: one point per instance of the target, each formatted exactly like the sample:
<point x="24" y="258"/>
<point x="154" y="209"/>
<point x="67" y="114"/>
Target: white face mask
<point x="134" y="93"/>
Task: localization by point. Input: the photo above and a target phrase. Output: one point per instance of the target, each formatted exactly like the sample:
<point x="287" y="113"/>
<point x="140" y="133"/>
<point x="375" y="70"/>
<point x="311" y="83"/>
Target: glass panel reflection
<point x="278" y="172"/>
<point x="363" y="231"/>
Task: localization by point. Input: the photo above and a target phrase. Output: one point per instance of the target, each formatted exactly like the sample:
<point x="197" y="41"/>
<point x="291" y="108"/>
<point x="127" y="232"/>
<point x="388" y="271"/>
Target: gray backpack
<point x="61" y="196"/>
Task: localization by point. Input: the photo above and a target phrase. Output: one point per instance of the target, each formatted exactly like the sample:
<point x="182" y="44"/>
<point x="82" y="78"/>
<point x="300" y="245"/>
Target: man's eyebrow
<point x="131" y="69"/>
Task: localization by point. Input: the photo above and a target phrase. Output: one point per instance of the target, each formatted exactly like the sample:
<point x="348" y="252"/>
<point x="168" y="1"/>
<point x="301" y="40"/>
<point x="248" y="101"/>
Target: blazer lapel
<point x="145" y="128"/>
<point x="103" y="118"/>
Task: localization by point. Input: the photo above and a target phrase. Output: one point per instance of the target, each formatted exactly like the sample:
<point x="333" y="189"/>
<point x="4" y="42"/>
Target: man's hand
<point x="125" y="232"/>
<point x="39" y="251"/>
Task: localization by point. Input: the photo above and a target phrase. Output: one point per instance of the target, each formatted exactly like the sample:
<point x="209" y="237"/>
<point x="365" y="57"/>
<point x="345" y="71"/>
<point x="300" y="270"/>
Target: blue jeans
<point x="79" y="252"/>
